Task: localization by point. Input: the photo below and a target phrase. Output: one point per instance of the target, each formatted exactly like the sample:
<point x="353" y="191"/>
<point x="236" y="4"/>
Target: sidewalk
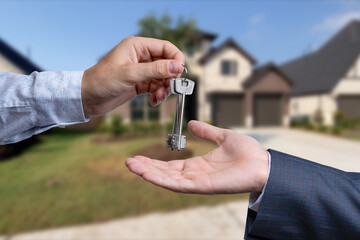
<point x="225" y="221"/>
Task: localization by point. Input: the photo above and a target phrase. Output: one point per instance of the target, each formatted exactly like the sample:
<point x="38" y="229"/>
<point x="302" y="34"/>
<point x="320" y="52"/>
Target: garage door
<point x="228" y="110"/>
<point x="350" y="106"/>
<point x="267" y="110"/>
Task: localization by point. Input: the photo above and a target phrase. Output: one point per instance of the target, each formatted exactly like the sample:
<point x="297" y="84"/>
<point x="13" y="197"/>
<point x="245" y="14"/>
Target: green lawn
<point x="68" y="179"/>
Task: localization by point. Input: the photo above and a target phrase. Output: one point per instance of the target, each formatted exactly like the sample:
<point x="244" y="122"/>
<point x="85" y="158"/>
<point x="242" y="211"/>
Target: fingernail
<point x="174" y="67"/>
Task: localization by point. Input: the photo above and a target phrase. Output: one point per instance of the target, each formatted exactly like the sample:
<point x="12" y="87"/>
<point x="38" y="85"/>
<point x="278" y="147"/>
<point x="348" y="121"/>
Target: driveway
<point x="226" y="221"/>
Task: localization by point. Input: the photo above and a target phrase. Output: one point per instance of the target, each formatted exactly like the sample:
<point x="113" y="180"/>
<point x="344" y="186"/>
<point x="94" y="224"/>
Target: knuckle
<point x="128" y="39"/>
<point x="159" y="69"/>
<point x="166" y="42"/>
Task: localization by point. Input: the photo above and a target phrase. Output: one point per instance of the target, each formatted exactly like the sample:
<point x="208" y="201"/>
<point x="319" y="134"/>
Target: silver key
<point x="181" y="87"/>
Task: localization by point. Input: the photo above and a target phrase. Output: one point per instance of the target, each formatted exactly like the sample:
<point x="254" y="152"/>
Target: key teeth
<point x="173" y="142"/>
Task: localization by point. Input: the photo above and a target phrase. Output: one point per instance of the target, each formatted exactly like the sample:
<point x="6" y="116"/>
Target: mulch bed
<point x="160" y="152"/>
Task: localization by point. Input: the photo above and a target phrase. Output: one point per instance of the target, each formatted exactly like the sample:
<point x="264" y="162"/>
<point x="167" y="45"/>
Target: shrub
<point x="323" y="128"/>
<point x="116" y="125"/>
<point x="339" y="118"/>
<point x="309" y="126"/>
<point x="336" y="130"/>
<point x="141" y="127"/>
<point x="318" y="117"/>
<point x="156" y="127"/>
<point x="103" y="128"/>
<point x="295" y="124"/>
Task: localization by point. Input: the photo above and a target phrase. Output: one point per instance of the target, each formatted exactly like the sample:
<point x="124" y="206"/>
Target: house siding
<point x="7" y="66"/>
<point x="308" y="105"/>
<point x="212" y="80"/>
<point x="350" y="83"/>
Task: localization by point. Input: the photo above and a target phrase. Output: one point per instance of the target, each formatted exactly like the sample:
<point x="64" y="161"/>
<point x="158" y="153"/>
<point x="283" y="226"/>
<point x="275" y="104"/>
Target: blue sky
<point x="72" y="35"/>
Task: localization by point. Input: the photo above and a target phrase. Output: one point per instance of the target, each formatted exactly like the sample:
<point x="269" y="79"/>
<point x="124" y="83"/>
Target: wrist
<point x="263" y="172"/>
<point x="84" y="95"/>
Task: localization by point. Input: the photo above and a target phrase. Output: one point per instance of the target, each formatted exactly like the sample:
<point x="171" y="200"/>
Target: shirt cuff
<point x="58" y="99"/>
<point x="255" y="198"/>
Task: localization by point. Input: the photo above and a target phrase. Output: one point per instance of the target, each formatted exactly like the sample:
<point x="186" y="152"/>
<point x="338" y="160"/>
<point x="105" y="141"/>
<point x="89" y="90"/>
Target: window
<point x="191" y="50"/>
<point x="141" y="110"/>
<point x="228" y="67"/>
<point x="137" y="108"/>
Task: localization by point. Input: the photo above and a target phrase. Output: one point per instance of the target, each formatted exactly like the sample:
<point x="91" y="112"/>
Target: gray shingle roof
<point x="321" y="70"/>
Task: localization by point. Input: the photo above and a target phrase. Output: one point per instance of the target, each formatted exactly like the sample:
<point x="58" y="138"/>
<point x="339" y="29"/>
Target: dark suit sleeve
<point x="306" y="200"/>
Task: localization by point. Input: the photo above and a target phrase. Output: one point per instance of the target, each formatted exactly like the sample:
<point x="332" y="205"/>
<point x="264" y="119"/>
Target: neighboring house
<point x="13" y="61"/>
<point x="328" y="80"/>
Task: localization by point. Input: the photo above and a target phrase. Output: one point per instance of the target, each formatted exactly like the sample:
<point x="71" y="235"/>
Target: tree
<point x="179" y="34"/>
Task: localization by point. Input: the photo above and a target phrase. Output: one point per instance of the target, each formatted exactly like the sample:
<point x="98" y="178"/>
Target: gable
<point x="350" y="83"/>
<point x="320" y="71"/>
<point x="229" y="43"/>
<point x="215" y="80"/>
<point x="272" y="82"/>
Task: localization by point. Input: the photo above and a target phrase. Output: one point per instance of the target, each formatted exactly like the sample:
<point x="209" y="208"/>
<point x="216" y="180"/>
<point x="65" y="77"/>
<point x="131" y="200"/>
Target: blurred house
<point x="328" y="80"/>
<point x="229" y="92"/>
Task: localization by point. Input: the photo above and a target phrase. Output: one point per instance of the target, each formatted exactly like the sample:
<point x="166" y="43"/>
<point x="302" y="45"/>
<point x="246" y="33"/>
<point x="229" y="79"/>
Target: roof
<point x="321" y="70"/>
<point x="261" y="71"/>
<point x="228" y="43"/>
<point x="200" y="34"/>
<point x="17" y="59"/>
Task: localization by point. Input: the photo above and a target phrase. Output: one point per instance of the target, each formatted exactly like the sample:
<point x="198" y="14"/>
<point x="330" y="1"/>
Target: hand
<point x="238" y="165"/>
<point x="135" y="66"/>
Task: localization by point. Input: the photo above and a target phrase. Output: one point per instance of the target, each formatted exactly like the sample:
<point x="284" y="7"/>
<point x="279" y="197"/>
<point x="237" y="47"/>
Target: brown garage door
<point x="350" y="106"/>
<point x="228" y="110"/>
<point x="267" y="110"/>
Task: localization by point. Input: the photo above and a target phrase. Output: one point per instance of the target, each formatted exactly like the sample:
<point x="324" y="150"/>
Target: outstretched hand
<point x="238" y="165"/>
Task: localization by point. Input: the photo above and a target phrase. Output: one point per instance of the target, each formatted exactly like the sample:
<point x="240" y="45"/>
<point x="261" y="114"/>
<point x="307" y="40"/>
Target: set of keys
<point x="181" y="87"/>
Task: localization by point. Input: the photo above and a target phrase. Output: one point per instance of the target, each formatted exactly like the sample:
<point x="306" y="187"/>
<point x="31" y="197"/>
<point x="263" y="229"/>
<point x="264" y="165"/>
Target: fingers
<point x="160" y="69"/>
<point x="155" y="49"/>
<point x="160" y="95"/>
<point x="164" y="174"/>
<point x="207" y="132"/>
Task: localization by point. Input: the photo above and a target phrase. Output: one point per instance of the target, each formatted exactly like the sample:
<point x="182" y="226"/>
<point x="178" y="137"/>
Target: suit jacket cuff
<point x="255" y="199"/>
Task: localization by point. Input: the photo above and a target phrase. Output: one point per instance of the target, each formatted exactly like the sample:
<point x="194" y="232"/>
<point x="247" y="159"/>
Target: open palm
<point x="238" y="165"/>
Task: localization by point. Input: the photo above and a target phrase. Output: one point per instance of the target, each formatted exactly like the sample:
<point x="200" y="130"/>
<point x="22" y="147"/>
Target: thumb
<point x="207" y="132"/>
<point x="159" y="69"/>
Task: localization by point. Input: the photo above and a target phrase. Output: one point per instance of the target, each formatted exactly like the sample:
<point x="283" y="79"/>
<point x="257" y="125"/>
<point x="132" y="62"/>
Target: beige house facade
<point x="230" y="91"/>
<point x="328" y="80"/>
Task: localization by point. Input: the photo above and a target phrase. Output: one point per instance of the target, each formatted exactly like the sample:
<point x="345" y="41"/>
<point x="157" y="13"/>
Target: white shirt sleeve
<point x="255" y="199"/>
<point x="32" y="104"/>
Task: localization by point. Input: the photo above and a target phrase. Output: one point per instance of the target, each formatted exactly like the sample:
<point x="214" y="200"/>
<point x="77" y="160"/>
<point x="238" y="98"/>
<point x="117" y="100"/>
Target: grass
<point x="68" y="179"/>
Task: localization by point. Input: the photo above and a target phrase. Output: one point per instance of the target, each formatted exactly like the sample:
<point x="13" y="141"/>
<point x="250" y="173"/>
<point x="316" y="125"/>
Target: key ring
<point x="186" y="72"/>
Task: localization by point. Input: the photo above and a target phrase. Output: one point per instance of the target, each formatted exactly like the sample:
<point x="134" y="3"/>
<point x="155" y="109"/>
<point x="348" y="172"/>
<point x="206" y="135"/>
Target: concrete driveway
<point x="226" y="221"/>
